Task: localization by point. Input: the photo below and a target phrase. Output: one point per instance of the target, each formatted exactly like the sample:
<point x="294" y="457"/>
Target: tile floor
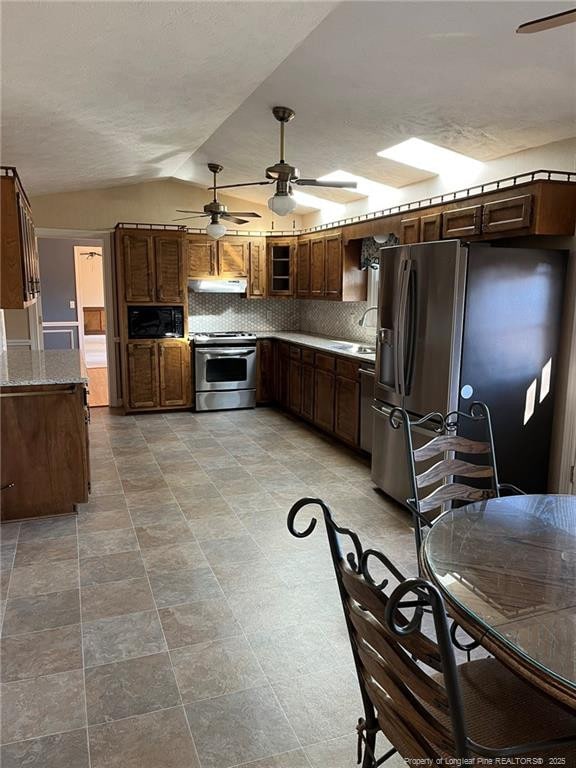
<point x="175" y="623"/>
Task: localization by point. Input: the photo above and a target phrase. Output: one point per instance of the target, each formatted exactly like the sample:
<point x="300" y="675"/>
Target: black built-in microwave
<point x="155" y="322"/>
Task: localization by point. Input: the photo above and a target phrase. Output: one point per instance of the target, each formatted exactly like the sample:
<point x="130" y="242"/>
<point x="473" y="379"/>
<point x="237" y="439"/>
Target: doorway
<point x="88" y="263"/>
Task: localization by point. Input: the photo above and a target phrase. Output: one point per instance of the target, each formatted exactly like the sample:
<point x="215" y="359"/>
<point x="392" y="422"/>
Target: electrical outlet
<point x="72" y="304"/>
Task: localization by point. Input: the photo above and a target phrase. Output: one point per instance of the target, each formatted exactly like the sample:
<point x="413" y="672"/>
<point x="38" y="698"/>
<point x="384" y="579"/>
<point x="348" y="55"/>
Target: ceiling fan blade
<point x="249" y="214"/>
<point x="548" y="22"/>
<point x="178" y="210"/>
<point x="247" y="184"/>
<point x="185" y="218"/>
<point x="228" y="217"/>
<point x="333" y="184"/>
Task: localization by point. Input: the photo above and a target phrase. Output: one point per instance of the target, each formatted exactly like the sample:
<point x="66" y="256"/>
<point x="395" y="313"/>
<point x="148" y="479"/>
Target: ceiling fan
<point x="548" y="22"/>
<point x="217" y="210"/>
<point x="284" y="175"/>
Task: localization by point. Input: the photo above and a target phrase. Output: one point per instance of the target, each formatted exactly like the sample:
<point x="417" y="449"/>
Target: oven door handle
<point x="233" y="354"/>
<point x="215" y="354"/>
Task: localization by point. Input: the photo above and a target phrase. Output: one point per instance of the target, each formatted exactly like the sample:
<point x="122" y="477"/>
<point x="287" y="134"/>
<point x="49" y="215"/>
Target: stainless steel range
<point x="225" y="370"/>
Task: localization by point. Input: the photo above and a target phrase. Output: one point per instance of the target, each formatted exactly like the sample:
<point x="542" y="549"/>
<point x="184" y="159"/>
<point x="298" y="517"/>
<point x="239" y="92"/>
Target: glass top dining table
<point x="507" y="570"/>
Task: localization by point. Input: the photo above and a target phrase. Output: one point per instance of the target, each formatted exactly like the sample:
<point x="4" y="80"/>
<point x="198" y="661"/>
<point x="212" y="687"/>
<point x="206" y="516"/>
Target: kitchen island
<point x="44" y="466"/>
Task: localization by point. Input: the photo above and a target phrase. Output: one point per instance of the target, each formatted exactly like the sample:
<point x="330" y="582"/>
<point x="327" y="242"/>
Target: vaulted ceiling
<point x="99" y="94"/>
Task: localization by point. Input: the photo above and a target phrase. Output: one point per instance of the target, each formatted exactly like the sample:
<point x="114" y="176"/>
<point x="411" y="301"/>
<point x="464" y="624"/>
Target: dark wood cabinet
<point x="307" y="397"/>
<point x="324" y="390"/>
<point x="347" y="410"/>
<point x="462" y="222"/>
<point x="19" y="263"/>
<point x="200" y="255"/>
<point x="170" y="282"/>
<point x="333" y="267"/>
<point x="295" y="386"/>
<point x="142" y="381"/>
<point x="410" y="230"/>
<point x="507" y="215"/>
<point x="317" y="268"/>
<point x="137" y="255"/>
<point x="283" y="374"/>
<point x="264" y="371"/>
<point x="257" y="269"/>
<point x="44" y="468"/>
<point x="303" y="269"/>
<point x="174" y="373"/>
<point x="281" y="256"/>
<point x="233" y="257"/>
<point x="431" y="227"/>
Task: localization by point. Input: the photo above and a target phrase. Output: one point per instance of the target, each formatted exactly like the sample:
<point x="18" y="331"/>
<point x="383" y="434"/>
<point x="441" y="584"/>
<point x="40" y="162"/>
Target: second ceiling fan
<point x="284" y="175"/>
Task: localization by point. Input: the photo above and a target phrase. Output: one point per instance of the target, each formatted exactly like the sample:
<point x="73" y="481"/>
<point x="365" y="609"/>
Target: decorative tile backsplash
<point x="230" y="312"/>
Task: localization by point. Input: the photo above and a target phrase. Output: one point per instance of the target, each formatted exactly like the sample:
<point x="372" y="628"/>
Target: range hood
<point x="219" y="286"/>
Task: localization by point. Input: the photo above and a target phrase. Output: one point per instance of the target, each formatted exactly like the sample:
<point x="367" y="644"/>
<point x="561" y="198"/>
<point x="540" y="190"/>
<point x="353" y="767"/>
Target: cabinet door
<point x="507" y="215"/>
<point x="264" y="370"/>
<point x="431" y="227"/>
<point x="138" y="257"/>
<point x="142" y="384"/>
<point x="307" y="404"/>
<point x="410" y="230"/>
<point x="283" y="375"/>
<point x="175" y="383"/>
<point x="317" y="265"/>
<point x="347" y="410"/>
<point x="462" y="222"/>
<point x="257" y="269"/>
<point x="200" y="256"/>
<point x="303" y="270"/>
<point x="295" y="386"/>
<point x="233" y="257"/>
<point x="333" y="270"/>
<point x="169" y="270"/>
<point x="324" y="399"/>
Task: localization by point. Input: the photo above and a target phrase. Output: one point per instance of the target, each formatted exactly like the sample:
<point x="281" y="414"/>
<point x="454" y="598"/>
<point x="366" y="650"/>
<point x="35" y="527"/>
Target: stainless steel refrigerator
<point x="458" y="323"/>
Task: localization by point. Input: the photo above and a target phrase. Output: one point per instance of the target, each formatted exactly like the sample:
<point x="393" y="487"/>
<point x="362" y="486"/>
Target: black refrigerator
<point x="463" y="322"/>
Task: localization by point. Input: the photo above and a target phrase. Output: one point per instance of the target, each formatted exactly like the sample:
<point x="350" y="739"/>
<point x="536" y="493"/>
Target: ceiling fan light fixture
<point x="281" y="205"/>
<point x="216" y="230"/>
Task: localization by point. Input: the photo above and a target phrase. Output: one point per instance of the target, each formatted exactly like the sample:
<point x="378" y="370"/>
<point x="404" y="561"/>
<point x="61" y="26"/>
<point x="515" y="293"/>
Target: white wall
<point x="558" y="156"/>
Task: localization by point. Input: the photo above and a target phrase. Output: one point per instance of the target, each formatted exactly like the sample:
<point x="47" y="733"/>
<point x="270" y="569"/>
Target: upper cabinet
<point x="328" y="268"/>
<point x="152" y="267"/>
<point x="281" y="256"/>
<point x="233" y="257"/>
<point x="200" y="255"/>
<point x="257" y="283"/>
<point x="20" y="268"/>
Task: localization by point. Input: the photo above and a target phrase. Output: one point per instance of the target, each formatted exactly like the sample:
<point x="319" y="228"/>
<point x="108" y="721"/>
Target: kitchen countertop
<point x="25" y="367"/>
<point x="323" y="343"/>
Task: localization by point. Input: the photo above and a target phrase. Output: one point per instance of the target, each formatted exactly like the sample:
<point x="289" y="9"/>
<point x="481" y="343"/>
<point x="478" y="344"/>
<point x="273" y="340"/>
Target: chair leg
<point x="369" y="749"/>
<point x="417" y="535"/>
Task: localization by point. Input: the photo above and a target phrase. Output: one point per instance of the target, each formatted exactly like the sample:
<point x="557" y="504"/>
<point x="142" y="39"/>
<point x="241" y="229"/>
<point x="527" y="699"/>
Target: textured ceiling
<point x="103" y="93"/>
<point x="115" y="92"/>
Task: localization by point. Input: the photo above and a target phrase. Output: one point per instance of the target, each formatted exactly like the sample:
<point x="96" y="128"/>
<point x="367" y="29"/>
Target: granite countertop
<point x="25" y="367"/>
<point x="340" y="347"/>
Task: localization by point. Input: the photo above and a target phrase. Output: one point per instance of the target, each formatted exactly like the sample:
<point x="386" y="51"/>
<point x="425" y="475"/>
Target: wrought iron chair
<point x="412" y="690"/>
<point x="449" y="474"/>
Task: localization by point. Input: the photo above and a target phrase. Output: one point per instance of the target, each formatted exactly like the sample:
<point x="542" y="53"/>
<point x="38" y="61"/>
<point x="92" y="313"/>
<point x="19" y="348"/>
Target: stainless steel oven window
<point x="222" y="368"/>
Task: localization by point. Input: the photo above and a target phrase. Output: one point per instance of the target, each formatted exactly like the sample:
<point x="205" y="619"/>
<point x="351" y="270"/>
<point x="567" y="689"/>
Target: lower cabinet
<point x="295" y="386"/>
<point x="158" y="375"/>
<point x="283" y="374"/>
<point x="347" y="410"/>
<point x="307" y="397"/>
<point x="264" y="371"/>
<point x="324" y="389"/>
<point x="44" y="450"/>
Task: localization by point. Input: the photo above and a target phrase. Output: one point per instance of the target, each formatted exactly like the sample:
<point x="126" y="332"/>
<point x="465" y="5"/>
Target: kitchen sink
<point x="360" y="349"/>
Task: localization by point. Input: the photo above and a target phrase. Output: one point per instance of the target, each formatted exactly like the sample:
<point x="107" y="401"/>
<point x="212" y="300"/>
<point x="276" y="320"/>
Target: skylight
<point x="430" y="157"/>
<point x="364" y="186"/>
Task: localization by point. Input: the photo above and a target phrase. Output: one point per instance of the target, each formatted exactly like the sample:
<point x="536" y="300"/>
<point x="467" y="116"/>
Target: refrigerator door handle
<point x="400" y="343"/>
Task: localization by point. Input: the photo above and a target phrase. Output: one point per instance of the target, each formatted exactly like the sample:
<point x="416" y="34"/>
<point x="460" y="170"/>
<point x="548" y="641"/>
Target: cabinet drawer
<point x="347" y="368"/>
<point x="325" y="362"/>
<point x="308" y="356"/>
<point x="462" y="221"/>
<point x="506" y="215"/>
<point x="295" y="352"/>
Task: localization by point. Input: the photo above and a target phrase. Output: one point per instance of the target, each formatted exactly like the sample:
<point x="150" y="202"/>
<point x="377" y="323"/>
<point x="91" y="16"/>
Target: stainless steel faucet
<point x="362" y="321"/>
